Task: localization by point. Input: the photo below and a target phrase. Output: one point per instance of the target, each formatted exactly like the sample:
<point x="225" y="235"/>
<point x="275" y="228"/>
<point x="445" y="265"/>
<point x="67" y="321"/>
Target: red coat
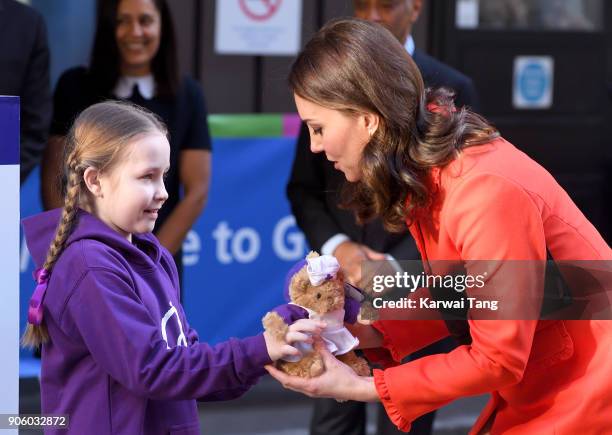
<point x="546" y="377"/>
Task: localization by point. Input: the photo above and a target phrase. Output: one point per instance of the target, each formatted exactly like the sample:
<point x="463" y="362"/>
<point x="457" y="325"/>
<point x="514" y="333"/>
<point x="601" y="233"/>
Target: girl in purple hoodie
<point x="118" y="355"/>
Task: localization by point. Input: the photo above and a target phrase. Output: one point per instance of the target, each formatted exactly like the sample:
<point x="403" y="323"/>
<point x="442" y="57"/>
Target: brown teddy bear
<point x="318" y="287"/>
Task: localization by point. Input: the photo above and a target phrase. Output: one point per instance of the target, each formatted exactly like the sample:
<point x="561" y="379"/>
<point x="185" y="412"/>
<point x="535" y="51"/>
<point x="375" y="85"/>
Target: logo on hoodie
<point x="181" y="340"/>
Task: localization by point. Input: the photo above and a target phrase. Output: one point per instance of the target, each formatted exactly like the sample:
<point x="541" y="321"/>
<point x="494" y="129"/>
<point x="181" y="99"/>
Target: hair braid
<point x="36" y="335"/>
<point x="68" y="219"/>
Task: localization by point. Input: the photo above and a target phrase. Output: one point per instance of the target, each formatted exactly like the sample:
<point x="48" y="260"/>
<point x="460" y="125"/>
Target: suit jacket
<point x="314" y="184"/>
<point x="546" y="376"/>
<point x="24" y="71"/>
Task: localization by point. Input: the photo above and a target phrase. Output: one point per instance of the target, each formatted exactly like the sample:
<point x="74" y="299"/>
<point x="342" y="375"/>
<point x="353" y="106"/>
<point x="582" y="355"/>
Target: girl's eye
<point x="147" y="177"/>
<point x="317" y="131"/>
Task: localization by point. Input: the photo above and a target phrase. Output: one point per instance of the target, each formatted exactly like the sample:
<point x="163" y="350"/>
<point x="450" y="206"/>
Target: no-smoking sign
<point x="258" y="27"/>
<point x="260" y="10"/>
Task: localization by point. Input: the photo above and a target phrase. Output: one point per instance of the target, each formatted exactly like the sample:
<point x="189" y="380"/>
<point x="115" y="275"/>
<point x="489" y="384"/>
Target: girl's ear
<point x="91" y="176"/>
<point x="371" y="121"/>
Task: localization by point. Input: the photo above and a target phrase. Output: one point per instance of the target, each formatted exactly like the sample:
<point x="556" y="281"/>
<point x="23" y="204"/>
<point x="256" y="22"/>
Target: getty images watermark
<point x="502" y="290"/>
<point x="411" y="283"/>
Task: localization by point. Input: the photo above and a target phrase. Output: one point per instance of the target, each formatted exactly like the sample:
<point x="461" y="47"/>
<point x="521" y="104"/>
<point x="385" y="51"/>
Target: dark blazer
<point x="24" y="71"/>
<point x="314" y="184"/>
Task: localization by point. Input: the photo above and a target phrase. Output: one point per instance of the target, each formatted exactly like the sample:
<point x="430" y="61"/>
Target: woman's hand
<point x="302" y="330"/>
<point x="338" y="381"/>
<point x="351" y="256"/>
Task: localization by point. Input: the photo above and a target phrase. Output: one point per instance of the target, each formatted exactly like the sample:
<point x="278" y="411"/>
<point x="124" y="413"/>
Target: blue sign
<point x="533" y="82"/>
<point x="9" y="128"/>
<point x="239" y="251"/>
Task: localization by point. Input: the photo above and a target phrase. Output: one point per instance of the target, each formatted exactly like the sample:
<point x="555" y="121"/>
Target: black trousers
<point x="349" y="418"/>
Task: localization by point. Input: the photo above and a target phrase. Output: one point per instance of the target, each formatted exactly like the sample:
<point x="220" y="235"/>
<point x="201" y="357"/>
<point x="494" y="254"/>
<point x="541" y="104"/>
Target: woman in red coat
<point x="466" y="194"/>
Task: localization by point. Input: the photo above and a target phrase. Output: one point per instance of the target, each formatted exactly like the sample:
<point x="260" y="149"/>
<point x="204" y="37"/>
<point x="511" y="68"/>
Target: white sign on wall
<point x="533" y="82"/>
<point x="466" y="14"/>
<point x="258" y="27"/>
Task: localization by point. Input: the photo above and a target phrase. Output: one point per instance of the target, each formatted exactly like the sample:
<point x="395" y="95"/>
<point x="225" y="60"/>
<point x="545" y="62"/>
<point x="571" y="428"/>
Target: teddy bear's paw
<point x="361" y="367"/>
<point x="317" y="367"/>
<point x="358" y="364"/>
<point x="275" y="324"/>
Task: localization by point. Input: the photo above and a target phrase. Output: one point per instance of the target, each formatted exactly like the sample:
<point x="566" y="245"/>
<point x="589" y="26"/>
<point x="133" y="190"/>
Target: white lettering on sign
<point x="243" y="245"/>
<point x="295" y="247"/>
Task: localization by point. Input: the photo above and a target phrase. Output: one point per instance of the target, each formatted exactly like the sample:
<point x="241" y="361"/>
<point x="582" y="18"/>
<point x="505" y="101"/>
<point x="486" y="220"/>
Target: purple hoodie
<point x="122" y="358"/>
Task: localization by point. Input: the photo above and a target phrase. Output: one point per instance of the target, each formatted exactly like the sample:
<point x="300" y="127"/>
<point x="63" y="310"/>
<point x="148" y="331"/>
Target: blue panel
<point x="9" y="130"/>
<point x="232" y="286"/>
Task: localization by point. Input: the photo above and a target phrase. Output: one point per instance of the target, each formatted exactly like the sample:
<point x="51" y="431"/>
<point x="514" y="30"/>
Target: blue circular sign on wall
<point x="533" y="81"/>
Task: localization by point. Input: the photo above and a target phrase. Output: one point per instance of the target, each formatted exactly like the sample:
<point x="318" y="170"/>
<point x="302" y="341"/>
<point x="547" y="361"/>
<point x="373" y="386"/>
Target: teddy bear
<point x="318" y="287"/>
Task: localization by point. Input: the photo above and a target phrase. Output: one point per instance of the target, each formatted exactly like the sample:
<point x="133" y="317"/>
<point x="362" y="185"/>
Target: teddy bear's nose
<point x="318" y="295"/>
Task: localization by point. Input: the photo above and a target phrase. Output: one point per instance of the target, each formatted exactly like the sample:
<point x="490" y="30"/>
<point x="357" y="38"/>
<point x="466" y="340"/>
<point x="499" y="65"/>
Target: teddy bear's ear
<point x="299" y="284"/>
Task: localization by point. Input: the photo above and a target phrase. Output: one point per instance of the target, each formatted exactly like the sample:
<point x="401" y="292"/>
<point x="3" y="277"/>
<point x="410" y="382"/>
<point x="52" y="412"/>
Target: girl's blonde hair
<point x="97" y="138"/>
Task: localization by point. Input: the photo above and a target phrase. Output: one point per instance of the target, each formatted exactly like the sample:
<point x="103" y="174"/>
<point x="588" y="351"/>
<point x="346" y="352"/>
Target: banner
<point x="239" y="251"/>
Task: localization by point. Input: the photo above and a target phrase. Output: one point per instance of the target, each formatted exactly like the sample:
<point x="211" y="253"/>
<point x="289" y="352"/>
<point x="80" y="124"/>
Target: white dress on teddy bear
<point x="336" y="337"/>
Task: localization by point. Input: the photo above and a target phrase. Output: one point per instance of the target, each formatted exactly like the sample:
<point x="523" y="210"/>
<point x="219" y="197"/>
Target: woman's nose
<point x="136" y="28"/>
<point x="316" y="146"/>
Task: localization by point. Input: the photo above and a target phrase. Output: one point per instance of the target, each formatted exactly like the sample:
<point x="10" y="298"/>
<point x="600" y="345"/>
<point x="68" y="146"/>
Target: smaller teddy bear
<point x="318" y="287"/>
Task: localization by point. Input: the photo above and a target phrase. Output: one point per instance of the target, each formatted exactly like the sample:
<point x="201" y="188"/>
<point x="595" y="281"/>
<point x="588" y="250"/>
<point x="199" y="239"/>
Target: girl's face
<point x="138" y="34"/>
<point x="128" y="197"/>
<point x="340" y="136"/>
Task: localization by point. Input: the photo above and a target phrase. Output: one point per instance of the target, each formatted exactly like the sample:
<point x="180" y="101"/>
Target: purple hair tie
<point x="35" y="309"/>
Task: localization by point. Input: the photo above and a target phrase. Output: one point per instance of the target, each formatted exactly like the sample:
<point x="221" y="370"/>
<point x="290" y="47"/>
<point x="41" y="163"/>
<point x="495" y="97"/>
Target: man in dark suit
<point x="313" y="192"/>
<point x="24" y="71"/>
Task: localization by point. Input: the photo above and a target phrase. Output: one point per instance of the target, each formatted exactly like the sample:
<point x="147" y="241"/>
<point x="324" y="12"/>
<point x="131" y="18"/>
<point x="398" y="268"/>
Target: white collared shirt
<point x="125" y="86"/>
<point x="409" y="45"/>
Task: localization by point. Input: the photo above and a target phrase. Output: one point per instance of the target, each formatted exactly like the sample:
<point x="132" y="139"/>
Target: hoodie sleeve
<point x="125" y="341"/>
<point x="229" y="394"/>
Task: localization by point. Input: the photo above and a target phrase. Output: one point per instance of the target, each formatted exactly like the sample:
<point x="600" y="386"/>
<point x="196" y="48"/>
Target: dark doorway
<point x="570" y="133"/>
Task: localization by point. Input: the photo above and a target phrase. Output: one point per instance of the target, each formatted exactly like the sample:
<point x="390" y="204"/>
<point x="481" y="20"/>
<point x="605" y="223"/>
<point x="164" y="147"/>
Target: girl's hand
<point x="338" y="381"/>
<point x="303" y="330"/>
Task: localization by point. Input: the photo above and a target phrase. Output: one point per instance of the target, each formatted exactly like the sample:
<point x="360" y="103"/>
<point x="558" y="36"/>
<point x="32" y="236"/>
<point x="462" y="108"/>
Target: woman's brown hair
<point x="356" y="66"/>
<point x="97" y="139"/>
